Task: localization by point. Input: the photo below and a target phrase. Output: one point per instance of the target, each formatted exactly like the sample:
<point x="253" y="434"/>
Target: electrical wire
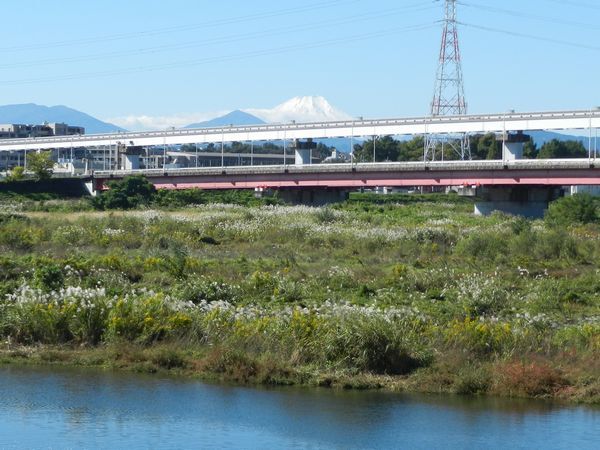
<point x="531" y="36"/>
<point x="219" y="59"/>
<point x="221" y="40"/>
<point x="576" y="3"/>
<point x="180" y="28"/>
<point x="525" y="15"/>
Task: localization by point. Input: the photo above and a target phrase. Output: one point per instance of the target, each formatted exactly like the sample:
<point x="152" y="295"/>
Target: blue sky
<point x="372" y="58"/>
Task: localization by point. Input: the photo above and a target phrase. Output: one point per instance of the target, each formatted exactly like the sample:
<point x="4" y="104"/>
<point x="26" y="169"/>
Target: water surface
<point x="70" y="408"/>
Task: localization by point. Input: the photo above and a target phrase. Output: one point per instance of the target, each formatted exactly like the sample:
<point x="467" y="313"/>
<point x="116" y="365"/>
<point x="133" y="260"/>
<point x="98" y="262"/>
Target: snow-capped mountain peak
<point x="301" y="109"/>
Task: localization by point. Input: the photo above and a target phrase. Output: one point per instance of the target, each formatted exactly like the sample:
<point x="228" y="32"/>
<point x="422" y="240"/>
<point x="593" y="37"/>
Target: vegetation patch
<point x="407" y="293"/>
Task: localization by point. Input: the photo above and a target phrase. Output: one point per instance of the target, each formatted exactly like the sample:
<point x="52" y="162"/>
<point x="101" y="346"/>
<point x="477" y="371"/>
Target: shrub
<point x="374" y="344"/>
<point x="204" y="290"/>
<point x="130" y="192"/>
<point x="146" y="319"/>
<point x="68" y="315"/>
<point x="521" y="225"/>
<point x="325" y="215"/>
<point x="184" y="197"/>
<point x="40" y="164"/>
<point x="472" y="380"/>
<point x="575" y="209"/>
<point x="489" y="246"/>
<point x="49" y="277"/>
<point x="534" y="379"/>
<point x="555" y="244"/>
<point x="479" y="337"/>
<point x="16" y="174"/>
<point x="582" y="337"/>
<point x="168" y="358"/>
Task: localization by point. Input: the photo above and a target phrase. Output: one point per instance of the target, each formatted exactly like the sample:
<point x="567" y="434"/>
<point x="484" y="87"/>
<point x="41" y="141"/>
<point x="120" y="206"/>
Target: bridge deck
<point x="483" y="123"/>
<point x="452" y="173"/>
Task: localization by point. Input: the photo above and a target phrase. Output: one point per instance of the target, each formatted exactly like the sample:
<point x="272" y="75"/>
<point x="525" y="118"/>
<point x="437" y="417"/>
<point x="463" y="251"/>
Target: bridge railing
<point x="490" y="165"/>
<point x="358" y="125"/>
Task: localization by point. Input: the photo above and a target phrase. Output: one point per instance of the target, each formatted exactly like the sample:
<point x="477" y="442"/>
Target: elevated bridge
<point x="498" y="123"/>
<point x="555" y="172"/>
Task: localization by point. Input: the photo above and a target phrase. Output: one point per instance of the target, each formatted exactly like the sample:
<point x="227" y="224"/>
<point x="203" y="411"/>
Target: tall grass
<point x="422" y="290"/>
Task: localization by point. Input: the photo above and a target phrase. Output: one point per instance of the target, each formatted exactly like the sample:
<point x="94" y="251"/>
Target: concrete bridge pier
<point x="303" y="151"/>
<point x="314" y="196"/>
<point x="527" y="201"/>
<point x="513" y="145"/>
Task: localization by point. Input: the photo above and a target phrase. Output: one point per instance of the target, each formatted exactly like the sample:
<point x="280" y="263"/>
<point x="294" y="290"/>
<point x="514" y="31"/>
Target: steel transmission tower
<point x="449" y="94"/>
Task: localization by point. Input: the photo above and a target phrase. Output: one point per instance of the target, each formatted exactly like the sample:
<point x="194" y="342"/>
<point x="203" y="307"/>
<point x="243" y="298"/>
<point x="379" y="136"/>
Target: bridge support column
<point x="128" y="157"/>
<point x="527" y="201"/>
<point x="513" y="145"/>
<point x="313" y="196"/>
<point x="90" y="187"/>
<point x="303" y="151"/>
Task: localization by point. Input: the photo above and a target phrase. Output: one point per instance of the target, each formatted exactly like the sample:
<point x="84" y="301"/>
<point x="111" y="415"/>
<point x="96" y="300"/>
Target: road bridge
<point x="521" y="187"/>
<point x="474" y="124"/>
<point x="562" y="172"/>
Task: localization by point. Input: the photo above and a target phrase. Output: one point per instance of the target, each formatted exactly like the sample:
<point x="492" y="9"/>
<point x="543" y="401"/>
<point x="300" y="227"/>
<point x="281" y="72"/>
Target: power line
<point x="525" y="15"/>
<point x="219" y="59"/>
<point x="181" y="28"/>
<point x="531" y="36"/>
<point x="222" y="40"/>
<point x="576" y="3"/>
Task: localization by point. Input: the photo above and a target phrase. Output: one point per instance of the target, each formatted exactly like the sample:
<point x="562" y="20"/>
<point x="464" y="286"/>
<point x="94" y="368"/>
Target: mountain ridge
<point x="313" y="108"/>
<point x="34" y="114"/>
<point x="237" y="117"/>
<point x="304" y="109"/>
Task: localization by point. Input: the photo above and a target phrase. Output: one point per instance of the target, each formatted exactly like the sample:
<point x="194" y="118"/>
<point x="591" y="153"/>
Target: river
<point x="45" y="408"/>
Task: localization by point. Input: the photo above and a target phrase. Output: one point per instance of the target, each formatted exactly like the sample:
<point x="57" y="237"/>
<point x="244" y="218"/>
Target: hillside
<point x="233" y="118"/>
<point x="30" y="113"/>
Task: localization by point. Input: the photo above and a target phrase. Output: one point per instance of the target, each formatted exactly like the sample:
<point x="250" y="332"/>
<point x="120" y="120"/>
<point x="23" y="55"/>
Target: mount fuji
<point x="298" y="109"/>
<point x="301" y="109"/>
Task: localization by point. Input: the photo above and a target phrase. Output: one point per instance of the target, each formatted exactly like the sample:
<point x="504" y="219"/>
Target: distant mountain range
<point x="233" y="118"/>
<point x="299" y="109"/>
<point x="32" y="114"/>
<point x="310" y="109"/>
<point x="541" y="137"/>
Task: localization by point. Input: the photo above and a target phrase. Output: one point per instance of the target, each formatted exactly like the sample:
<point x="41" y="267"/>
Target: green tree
<point x="40" y="164"/>
<point x="411" y="150"/>
<point x="485" y="146"/>
<point x="562" y="149"/>
<point x="17" y="174"/>
<point x="240" y="147"/>
<point x="578" y="208"/>
<point x="322" y="151"/>
<point x="130" y="192"/>
<point x="386" y="148"/>
<point x="530" y="150"/>
<point x="491" y="146"/>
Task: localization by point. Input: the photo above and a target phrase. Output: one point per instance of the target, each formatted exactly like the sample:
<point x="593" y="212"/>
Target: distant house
<point x="8" y="160"/>
<point x="20" y="131"/>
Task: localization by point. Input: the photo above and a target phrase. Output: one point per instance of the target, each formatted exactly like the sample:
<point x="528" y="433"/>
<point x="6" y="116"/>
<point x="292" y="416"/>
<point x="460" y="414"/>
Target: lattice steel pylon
<point x="449" y="93"/>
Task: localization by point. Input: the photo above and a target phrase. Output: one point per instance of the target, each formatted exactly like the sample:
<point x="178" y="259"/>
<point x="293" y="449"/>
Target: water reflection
<point x="84" y="408"/>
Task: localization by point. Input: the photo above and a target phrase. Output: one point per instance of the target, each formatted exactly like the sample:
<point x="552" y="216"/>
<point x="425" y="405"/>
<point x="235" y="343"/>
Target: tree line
<point x="485" y="146"/>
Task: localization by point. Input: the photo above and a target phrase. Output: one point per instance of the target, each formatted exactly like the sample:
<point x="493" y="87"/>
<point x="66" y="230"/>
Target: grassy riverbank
<point x="414" y="293"/>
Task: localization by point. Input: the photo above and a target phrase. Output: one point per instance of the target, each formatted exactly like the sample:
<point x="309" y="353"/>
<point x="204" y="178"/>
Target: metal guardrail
<point x="434" y="166"/>
<point x="356" y="124"/>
